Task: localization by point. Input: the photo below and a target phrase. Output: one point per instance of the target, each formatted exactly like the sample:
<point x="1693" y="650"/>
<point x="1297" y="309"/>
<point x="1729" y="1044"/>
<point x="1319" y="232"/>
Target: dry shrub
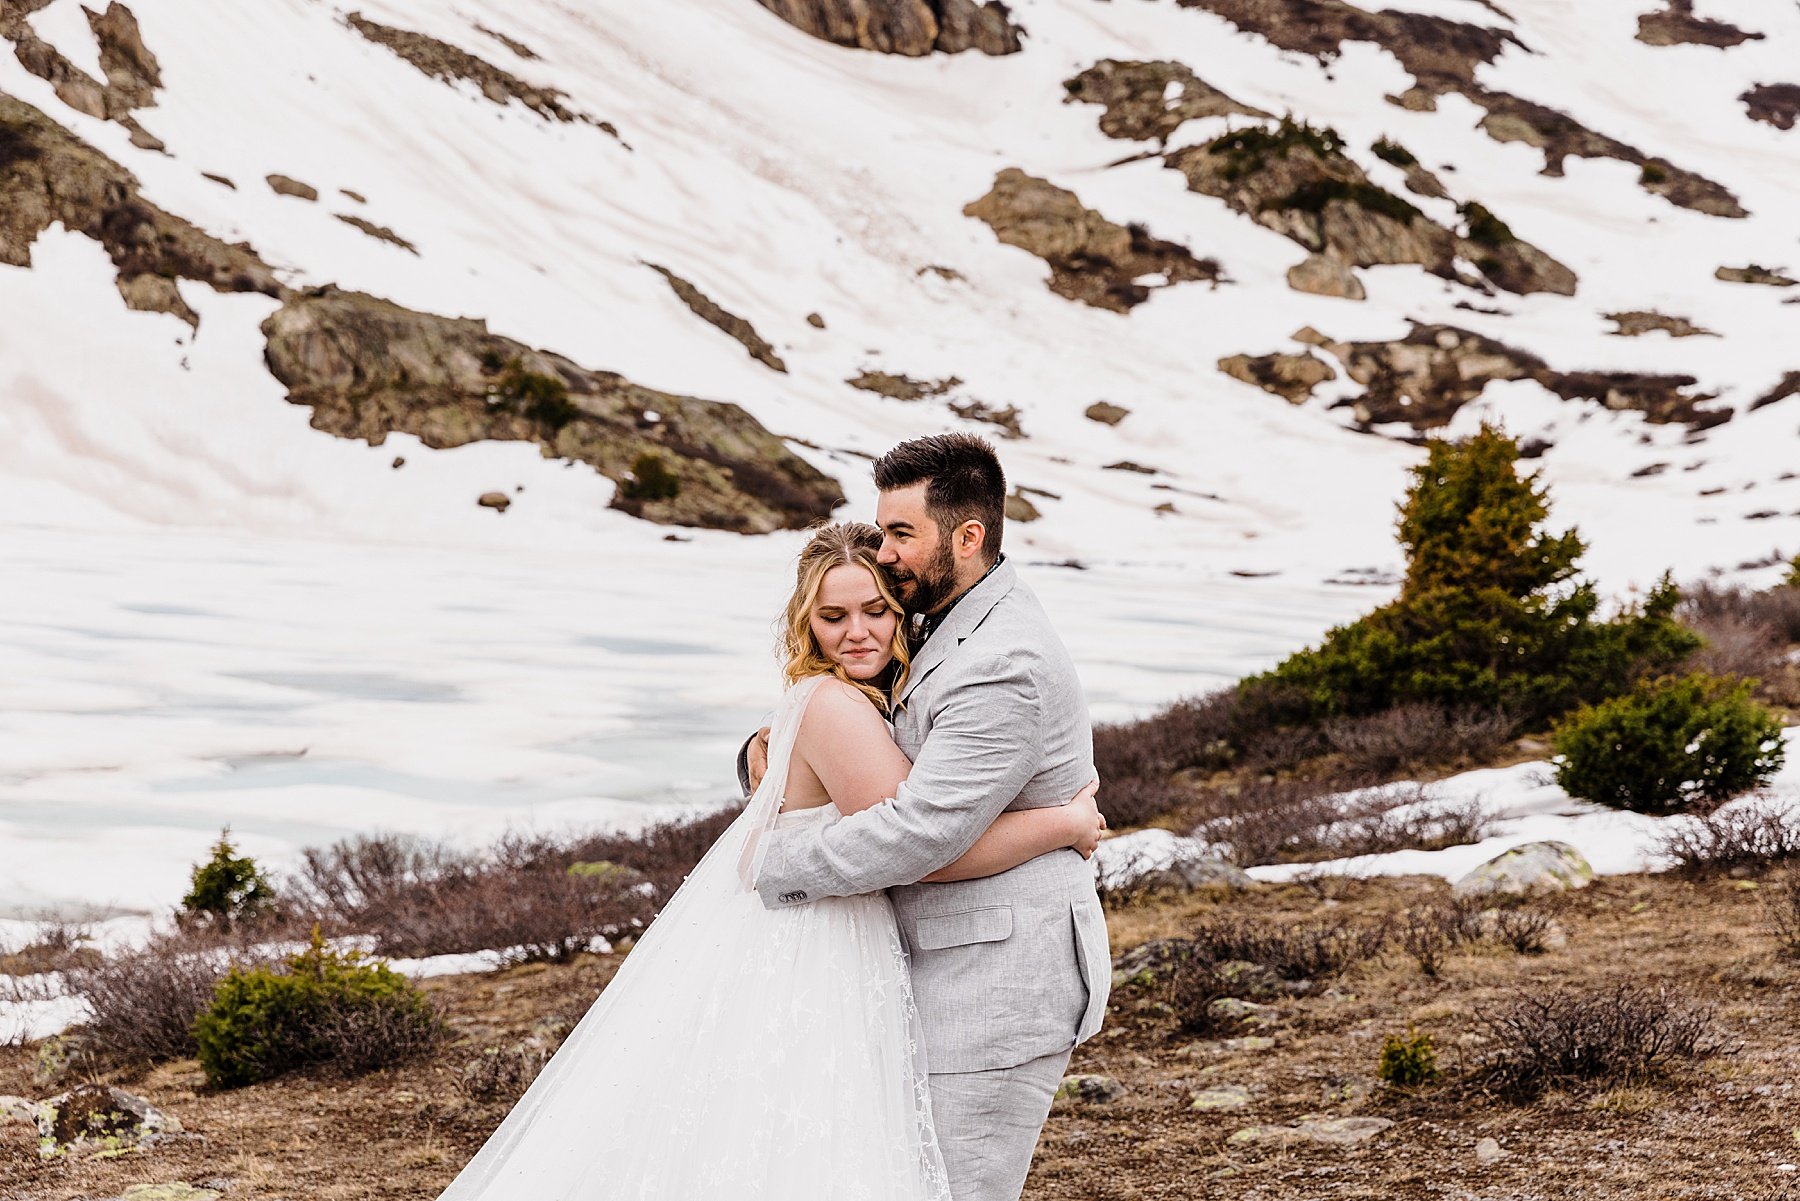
<point x="1623" y="1035"/>
<point x="1195" y="982"/>
<point x="1709" y="607"/>
<point x="1300" y="821"/>
<point x="143" y="1001"/>
<point x="1292" y="950"/>
<point x="55" y="946"/>
<point x="1422" y="936"/>
<point x="1525" y="928"/>
<point x="503" y="1073"/>
<point x="1138" y="760"/>
<point x="1744" y="838"/>
<point x="1782" y="905"/>
<point x="1418" y="735"/>
<point x="665" y="853"/>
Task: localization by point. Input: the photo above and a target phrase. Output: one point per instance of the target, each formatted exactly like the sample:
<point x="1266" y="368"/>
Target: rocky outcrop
<point x="1105" y="412"/>
<point x="380" y="233"/>
<point x="1088" y="1090"/>
<point x="1322" y="275"/>
<point x="1147" y="101"/>
<point x="132" y="72"/>
<point x="367" y="368"/>
<point x="1297" y="181"/>
<point x="1789" y="386"/>
<point x="1093" y="260"/>
<point x="1637" y="323"/>
<point x="47" y="176"/>
<point x="908" y="27"/>
<point x="97" y="1118"/>
<point x="287" y="185"/>
<point x="1531" y="869"/>
<point x="1006" y="420"/>
<point x="1421" y="380"/>
<point x="1442" y="56"/>
<point x="1776" y="104"/>
<point x="1289" y="376"/>
<point x="1753" y="274"/>
<point x="1676" y="25"/>
<point x="452" y="64"/>
<point x="703" y="307"/>
<point x="903" y="387"/>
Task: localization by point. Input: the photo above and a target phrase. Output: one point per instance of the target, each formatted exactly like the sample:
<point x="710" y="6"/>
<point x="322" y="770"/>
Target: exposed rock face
<point x="908" y="27"/>
<point x="380" y="233"/>
<point x="1753" y="274"/>
<point x="1789" y="386"/>
<point x="1296" y="180"/>
<point x="903" y="387"/>
<point x="703" y="307"/>
<point x="1093" y="260"/>
<point x="1527" y="870"/>
<point x="449" y="64"/>
<point x="1677" y="25"/>
<point x="1777" y="104"/>
<point x="132" y="72"/>
<point x="1146" y="101"/>
<point x="1007" y="419"/>
<point x="1289" y="376"/>
<point x="1442" y="55"/>
<point x="1105" y="413"/>
<point x="1322" y="275"/>
<point x="284" y="185"/>
<point x="368" y="367"/>
<point x="1425" y="377"/>
<point x="48" y="175"/>
<point x="1637" y="323"/>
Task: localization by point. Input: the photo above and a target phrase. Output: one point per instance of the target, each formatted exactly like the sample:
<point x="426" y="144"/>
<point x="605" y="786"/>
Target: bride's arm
<point x="846" y="743"/>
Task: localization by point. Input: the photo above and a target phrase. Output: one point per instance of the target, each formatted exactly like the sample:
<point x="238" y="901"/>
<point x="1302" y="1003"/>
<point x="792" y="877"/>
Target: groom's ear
<point x="971" y="536"/>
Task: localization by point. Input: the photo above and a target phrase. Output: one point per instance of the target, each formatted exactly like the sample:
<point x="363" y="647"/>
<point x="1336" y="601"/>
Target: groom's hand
<point x="756" y="757"/>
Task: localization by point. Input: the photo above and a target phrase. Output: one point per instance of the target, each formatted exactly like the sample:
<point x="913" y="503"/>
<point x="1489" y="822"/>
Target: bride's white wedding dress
<point x="739" y="1052"/>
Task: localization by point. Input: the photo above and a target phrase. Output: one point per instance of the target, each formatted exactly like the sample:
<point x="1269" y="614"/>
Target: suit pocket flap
<point x="960" y="929"/>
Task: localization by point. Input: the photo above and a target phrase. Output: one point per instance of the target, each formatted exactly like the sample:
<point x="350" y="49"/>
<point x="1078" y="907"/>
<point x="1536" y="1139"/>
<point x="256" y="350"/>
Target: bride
<point x="745" y="1052"/>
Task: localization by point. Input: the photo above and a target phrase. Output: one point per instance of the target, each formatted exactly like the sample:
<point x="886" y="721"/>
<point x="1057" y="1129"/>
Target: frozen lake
<point x="157" y="685"/>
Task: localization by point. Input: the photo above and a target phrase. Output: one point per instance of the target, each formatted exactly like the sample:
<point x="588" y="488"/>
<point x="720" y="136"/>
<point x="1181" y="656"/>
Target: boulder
<point x="498" y="501"/>
<point x="1322" y="275"/>
<point x="1755" y="274"/>
<point x="1091" y="1090"/>
<point x="1106" y="413"/>
<point x="17" y="1109"/>
<point x="1244" y="1013"/>
<point x="288" y="186"/>
<point x="1161" y="859"/>
<point x="1527" y="870"/>
<point x="100" y="1118"/>
<point x="1289" y="376"/>
<point x="1334" y="1132"/>
<point x="1223" y="1096"/>
<point x="907" y="27"/>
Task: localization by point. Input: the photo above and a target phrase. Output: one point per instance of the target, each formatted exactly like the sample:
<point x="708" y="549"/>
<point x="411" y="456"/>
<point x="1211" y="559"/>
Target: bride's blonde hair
<point x="845" y="544"/>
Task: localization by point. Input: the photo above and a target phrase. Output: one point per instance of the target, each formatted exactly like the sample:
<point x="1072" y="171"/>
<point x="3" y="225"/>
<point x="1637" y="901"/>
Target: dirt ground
<point x="1722" y="1128"/>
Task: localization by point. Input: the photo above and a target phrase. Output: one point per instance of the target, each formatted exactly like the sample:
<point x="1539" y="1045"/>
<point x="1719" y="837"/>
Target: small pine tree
<point x="1408" y="1062"/>
<point x="1493" y="611"/>
<point x="227" y="889"/>
<point x="1792" y="579"/>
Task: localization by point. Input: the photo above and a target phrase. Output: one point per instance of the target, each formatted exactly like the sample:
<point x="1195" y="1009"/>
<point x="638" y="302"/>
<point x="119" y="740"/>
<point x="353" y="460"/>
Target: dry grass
<point x="1712" y="1131"/>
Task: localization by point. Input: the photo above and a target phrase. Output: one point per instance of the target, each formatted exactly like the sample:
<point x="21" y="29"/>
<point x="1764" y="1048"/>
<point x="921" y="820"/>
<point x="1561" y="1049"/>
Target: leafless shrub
<point x="1782" y="905"/>
<point x="54" y="946"/>
<point x="1292" y="950"/>
<point x="1625" y="1035"/>
<point x="1744" y="837"/>
<point x="1525" y="928"/>
<point x="143" y="1002"/>
<point x="1422" y="936"/>
<point x="1415" y="735"/>
<point x="1138" y="760"/>
<point x="503" y="1073"/>
<point x="1300" y="821"/>
<point x="1708" y="607"/>
<point x="1194" y="983"/>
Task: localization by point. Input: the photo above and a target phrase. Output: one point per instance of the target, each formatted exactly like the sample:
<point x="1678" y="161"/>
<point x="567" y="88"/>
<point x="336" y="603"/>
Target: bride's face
<point x="853" y="625"/>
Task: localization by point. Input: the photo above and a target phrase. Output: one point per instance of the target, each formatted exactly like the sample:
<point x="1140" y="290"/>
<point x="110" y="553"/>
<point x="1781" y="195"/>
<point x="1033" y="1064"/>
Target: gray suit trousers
<point x="988" y="1123"/>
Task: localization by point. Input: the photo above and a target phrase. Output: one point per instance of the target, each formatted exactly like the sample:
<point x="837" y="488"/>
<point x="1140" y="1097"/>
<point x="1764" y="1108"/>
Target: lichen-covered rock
<point x="177" y="1190"/>
<point x="1527" y="870"/>
<point x="1332" y="1132"/>
<point x="18" y="1109"/>
<point x="1289" y="376"/>
<point x="368" y="367"/>
<point x="1090" y="1090"/>
<point x="100" y="1119"/>
<point x="1322" y="275"/>
<point x="1220" y="1097"/>
<point x="906" y="27"/>
<point x="1092" y="259"/>
<point x="1150" y="100"/>
<point x="1244" y="1013"/>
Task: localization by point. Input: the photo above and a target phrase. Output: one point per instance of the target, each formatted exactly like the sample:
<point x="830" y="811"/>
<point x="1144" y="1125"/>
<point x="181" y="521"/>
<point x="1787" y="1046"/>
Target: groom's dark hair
<point x="963" y="482"/>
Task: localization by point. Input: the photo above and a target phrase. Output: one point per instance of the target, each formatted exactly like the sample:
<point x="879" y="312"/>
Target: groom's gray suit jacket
<point x="1011" y="967"/>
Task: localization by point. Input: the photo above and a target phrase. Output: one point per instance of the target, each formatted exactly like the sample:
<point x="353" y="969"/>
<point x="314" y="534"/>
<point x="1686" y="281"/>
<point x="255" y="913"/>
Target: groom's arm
<point x="985" y="744"/>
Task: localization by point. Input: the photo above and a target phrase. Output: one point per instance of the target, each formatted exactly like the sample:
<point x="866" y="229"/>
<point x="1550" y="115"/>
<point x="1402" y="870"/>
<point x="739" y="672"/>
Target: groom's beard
<point x="935" y="586"/>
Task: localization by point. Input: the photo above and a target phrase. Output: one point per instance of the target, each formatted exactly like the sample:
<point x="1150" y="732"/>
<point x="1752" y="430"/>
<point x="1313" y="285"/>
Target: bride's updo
<point x="853" y="544"/>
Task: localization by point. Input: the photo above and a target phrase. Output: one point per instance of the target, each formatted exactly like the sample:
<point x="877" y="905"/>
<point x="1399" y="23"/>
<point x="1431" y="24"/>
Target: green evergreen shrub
<point x="1408" y="1062"/>
<point x="320" y="1007"/>
<point x="1792" y="579"/>
<point x="1492" y="614"/>
<point x="1389" y="151"/>
<point x="1671" y="744"/>
<point x="227" y="889"/>
<point x="537" y="396"/>
<point x="1484" y="227"/>
<point x="651" y="479"/>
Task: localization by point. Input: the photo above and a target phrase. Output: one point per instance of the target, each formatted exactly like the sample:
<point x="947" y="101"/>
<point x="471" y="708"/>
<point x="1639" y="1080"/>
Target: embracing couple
<point x="786" y="1029"/>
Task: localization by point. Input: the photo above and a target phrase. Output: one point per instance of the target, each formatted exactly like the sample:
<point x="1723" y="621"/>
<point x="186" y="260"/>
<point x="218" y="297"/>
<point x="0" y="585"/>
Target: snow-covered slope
<point x="214" y="612"/>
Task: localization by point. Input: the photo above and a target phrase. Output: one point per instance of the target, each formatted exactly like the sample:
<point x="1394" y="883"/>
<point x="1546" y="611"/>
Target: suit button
<point x="789" y="898"/>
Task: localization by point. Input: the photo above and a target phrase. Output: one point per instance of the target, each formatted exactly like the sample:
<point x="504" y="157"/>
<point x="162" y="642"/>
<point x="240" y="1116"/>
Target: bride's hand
<point x="1086" y="821"/>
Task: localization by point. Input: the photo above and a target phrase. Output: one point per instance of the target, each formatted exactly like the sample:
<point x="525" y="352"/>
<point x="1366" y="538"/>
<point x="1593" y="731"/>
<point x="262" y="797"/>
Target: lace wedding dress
<point x="738" y="1053"/>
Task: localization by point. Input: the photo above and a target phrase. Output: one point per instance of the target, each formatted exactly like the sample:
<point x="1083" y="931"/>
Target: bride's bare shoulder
<point x="839" y="708"/>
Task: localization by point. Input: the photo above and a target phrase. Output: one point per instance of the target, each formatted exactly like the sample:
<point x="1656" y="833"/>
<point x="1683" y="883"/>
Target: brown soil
<point x="1716" y="1129"/>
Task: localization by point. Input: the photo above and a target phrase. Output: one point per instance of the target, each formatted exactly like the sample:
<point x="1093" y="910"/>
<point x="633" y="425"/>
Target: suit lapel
<point x="963" y="620"/>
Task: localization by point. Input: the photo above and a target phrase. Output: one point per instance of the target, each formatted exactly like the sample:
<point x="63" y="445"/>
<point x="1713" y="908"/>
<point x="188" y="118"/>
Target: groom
<point x="1011" y="971"/>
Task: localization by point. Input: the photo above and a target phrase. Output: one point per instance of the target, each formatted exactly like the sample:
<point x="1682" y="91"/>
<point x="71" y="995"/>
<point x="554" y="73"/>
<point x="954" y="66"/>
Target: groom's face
<point x="915" y="553"/>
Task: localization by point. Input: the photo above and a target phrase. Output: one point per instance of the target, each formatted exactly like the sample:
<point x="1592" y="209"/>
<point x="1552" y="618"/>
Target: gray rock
<point x="100" y="1118"/>
<point x="1090" y="1090"/>
<point x="17" y="1109"/>
<point x="1223" y="1096"/>
<point x="176" y="1190"/>
<point x="1488" y="1150"/>
<point x="1322" y="275"/>
<point x="1245" y="1013"/>
<point x="1333" y="1132"/>
<point x="288" y="186"/>
<point x="1527" y="870"/>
